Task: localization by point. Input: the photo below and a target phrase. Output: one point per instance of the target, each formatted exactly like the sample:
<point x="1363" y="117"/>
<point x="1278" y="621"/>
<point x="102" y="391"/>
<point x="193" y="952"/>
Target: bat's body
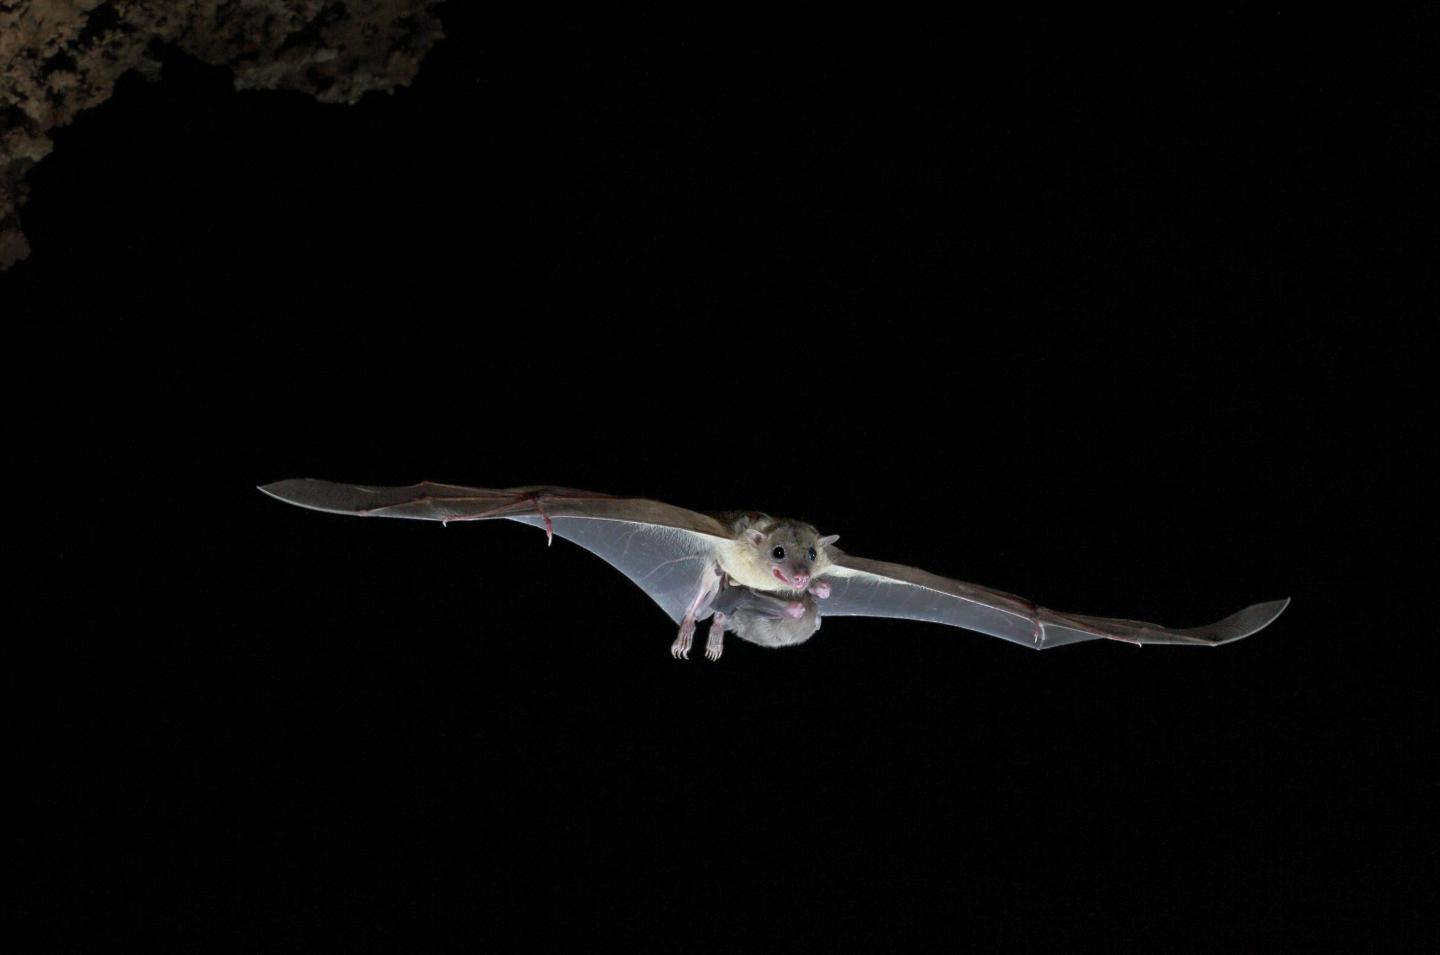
<point x="769" y="573"/>
<point x="768" y="580"/>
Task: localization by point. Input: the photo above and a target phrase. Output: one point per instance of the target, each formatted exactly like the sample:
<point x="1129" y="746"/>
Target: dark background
<point x="1123" y="315"/>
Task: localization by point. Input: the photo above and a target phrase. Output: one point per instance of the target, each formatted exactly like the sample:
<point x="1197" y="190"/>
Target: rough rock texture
<point x="58" y="57"/>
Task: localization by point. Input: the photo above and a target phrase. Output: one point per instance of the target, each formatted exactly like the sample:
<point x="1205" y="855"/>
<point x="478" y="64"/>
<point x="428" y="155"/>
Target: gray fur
<point x="761" y="618"/>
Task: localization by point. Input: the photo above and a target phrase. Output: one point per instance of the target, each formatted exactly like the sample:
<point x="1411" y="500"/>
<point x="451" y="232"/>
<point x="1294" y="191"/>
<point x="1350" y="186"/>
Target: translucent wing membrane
<point x="871" y="588"/>
<point x="667" y="563"/>
<point x="666" y="551"/>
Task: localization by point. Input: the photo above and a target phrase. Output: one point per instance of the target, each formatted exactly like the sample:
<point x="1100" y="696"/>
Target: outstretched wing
<point x="666" y="551"/>
<point x="872" y="588"/>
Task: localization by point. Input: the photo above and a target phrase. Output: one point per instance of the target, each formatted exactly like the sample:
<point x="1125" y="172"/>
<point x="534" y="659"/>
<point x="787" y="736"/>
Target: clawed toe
<point x="680" y="649"/>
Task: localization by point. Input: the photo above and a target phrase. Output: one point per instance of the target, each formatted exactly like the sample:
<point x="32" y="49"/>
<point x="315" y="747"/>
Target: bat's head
<point x="793" y="551"/>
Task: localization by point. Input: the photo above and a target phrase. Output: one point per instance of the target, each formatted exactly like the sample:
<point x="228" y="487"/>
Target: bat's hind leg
<point x="709" y="586"/>
<point x="715" y="639"/>
<point x="680" y="649"/>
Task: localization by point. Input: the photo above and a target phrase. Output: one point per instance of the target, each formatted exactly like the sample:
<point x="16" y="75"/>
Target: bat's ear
<point x="756" y="538"/>
<point x="827" y="540"/>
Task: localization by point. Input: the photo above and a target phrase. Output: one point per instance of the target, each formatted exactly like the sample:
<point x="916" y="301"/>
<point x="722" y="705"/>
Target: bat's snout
<point x="799" y="579"/>
<point x="796" y="580"/>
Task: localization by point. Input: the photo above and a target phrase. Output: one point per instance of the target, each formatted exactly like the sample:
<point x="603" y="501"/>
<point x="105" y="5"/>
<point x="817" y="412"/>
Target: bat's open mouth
<point x="796" y="584"/>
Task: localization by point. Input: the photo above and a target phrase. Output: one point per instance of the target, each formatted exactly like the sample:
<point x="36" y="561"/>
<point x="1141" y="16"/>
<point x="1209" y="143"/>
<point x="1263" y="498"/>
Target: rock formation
<point x="58" y="57"/>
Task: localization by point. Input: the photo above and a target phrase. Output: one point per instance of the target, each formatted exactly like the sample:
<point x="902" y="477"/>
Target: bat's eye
<point x="810" y="553"/>
<point x="778" y="553"/>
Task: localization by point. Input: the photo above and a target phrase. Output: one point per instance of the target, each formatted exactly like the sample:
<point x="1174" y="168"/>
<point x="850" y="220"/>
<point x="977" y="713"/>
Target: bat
<point x="768" y="580"/>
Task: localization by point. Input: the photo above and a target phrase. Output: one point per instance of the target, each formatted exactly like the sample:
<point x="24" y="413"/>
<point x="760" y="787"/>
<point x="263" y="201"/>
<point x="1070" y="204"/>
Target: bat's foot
<point x="680" y="649"/>
<point x="709" y="587"/>
<point x="715" y="640"/>
<point x="795" y="610"/>
<point x="820" y="590"/>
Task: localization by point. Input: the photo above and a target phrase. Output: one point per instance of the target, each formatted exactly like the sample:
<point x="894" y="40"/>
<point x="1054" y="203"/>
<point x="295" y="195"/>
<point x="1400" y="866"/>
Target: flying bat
<point x="768" y="580"/>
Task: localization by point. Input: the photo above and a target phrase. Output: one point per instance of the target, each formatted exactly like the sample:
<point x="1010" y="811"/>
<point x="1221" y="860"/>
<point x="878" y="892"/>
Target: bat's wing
<point x="872" y="588"/>
<point x="664" y="550"/>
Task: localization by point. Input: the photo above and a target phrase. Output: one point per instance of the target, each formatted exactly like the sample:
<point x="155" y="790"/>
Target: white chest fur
<point x="739" y="559"/>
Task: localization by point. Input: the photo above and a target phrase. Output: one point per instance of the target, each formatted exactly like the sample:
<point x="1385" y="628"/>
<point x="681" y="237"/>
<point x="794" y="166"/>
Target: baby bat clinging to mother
<point x="767" y="580"/>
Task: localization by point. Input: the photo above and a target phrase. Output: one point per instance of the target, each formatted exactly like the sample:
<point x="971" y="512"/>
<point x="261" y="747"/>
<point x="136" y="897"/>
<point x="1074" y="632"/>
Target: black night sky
<point x="1127" y="316"/>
